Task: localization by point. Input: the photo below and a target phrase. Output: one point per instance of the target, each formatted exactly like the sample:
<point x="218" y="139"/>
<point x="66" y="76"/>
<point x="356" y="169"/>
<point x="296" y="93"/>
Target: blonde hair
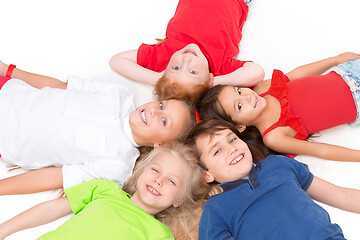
<point x="183" y="221"/>
<point x="166" y="89"/>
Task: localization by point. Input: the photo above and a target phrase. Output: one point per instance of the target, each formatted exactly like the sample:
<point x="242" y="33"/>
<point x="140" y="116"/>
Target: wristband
<point x="10" y="70"/>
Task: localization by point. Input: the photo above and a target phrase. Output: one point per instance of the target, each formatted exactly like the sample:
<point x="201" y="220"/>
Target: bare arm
<point x="39" y="180"/>
<point x="344" y="198"/>
<point x="38" y="215"/>
<point x="319" y="67"/>
<point x="35" y="80"/>
<point x="126" y="65"/>
<point x="287" y="144"/>
<point x="247" y="76"/>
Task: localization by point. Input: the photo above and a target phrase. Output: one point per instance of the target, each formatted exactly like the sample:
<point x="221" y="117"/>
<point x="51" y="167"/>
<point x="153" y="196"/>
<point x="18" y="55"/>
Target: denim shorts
<point x="350" y="72"/>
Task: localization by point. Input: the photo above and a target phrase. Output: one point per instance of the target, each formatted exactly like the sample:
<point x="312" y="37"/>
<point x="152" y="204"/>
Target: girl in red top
<point x="198" y="52"/>
<point x="288" y="108"/>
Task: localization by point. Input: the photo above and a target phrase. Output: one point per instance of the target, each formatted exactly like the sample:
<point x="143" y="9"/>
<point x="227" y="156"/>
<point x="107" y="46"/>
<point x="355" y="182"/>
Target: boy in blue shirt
<point x="271" y="200"/>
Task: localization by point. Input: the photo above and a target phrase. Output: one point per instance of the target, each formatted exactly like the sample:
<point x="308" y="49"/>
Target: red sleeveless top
<point x="311" y="104"/>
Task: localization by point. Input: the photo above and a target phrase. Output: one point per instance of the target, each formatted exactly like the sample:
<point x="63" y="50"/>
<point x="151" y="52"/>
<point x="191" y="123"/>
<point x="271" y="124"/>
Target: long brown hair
<point x="209" y="107"/>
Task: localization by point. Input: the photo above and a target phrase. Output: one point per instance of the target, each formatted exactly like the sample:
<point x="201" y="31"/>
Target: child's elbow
<point x="113" y="61"/>
<point x="256" y="73"/>
<point x="259" y="73"/>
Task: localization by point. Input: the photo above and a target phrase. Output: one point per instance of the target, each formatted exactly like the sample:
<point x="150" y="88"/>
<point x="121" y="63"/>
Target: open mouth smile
<point x="256" y="102"/>
<point x="237" y="159"/>
<point x="143" y="116"/>
<point x="153" y="190"/>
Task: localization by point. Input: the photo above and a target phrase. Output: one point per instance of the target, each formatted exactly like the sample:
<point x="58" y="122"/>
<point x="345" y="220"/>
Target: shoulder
<point x="277" y="161"/>
<point x="101" y="183"/>
<point x="275" y="137"/>
<point x="283" y="162"/>
<point x="214" y="203"/>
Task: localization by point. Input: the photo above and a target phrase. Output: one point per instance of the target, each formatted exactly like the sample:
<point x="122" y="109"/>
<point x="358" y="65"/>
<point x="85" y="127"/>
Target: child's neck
<point x="144" y="207"/>
<point x="270" y="114"/>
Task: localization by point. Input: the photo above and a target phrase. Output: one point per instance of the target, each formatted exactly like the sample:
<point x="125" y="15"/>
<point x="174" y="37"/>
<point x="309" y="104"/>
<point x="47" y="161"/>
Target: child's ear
<point x="241" y="128"/>
<point x="178" y="203"/>
<point x="208" y="176"/>
<point x="211" y="80"/>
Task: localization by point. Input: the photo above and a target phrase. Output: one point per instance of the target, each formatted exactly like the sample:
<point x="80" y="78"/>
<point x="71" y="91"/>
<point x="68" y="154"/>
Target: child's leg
<point x="350" y="72"/>
<point x="39" y="180"/>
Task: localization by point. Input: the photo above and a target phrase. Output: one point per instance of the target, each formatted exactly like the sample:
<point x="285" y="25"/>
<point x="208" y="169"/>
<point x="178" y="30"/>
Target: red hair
<point x="166" y="89"/>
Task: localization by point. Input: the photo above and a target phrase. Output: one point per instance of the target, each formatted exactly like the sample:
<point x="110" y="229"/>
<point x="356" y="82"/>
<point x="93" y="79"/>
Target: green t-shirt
<point x="103" y="212"/>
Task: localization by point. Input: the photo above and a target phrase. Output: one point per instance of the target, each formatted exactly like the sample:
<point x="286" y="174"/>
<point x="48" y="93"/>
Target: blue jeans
<point x="350" y="72"/>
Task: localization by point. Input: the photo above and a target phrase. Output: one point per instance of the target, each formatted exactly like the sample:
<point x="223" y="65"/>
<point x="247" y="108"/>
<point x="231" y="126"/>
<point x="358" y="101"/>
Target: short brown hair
<point x="166" y="89"/>
<point x="251" y="136"/>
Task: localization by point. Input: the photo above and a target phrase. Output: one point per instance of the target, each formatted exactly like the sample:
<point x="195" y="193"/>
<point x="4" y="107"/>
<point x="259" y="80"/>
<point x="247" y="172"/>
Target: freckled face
<point x="188" y="66"/>
<point x="227" y="157"/>
<point x="243" y="105"/>
<point x="162" y="184"/>
<point x="157" y="122"/>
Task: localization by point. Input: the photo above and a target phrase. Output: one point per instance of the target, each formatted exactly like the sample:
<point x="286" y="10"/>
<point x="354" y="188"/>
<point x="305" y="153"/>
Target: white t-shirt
<point x="84" y="128"/>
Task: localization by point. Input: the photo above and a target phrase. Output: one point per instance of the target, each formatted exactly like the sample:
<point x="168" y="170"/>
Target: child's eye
<point x="192" y="71"/>
<point x="172" y="181"/>
<point x="176" y="67"/>
<point x="217" y="152"/>
<point x="239" y="91"/>
<point x="232" y="140"/>
<point x="161" y="105"/>
<point x="155" y="170"/>
<point x="239" y="106"/>
<point x="163" y="121"/>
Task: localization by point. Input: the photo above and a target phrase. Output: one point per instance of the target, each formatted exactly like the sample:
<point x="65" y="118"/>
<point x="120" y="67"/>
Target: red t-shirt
<point x="214" y="25"/>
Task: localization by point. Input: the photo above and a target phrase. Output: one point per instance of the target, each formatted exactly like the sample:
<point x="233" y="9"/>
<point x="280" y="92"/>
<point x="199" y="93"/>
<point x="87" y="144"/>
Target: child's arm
<point x="35" y="80"/>
<point x="282" y="143"/>
<point x="344" y="198"/>
<point x="126" y="65"/>
<point x="247" y="76"/>
<point x="38" y="215"/>
<point x="39" y="180"/>
<point x="319" y="67"/>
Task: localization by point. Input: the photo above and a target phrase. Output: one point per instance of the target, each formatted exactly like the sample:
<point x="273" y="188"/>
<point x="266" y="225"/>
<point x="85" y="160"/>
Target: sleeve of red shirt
<point x="154" y="57"/>
<point x="147" y="56"/>
<point x="231" y="65"/>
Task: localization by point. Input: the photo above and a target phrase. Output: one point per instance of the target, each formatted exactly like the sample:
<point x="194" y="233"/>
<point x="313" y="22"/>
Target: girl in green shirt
<point x="165" y="185"/>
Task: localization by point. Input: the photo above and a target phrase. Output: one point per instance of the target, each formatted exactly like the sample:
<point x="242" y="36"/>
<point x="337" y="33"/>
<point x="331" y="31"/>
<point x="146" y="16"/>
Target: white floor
<point x="61" y="38"/>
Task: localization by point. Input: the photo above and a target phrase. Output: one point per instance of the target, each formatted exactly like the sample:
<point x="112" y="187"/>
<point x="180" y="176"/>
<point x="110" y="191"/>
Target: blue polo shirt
<point x="271" y="204"/>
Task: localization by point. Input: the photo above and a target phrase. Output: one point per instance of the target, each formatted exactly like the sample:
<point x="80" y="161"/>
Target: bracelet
<point x="10" y="70"/>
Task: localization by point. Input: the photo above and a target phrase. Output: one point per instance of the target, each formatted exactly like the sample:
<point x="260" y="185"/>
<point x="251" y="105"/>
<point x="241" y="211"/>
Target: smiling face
<point x="188" y="66"/>
<point x="162" y="183"/>
<point x="157" y="122"/>
<point x="226" y="157"/>
<point x="243" y="105"/>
